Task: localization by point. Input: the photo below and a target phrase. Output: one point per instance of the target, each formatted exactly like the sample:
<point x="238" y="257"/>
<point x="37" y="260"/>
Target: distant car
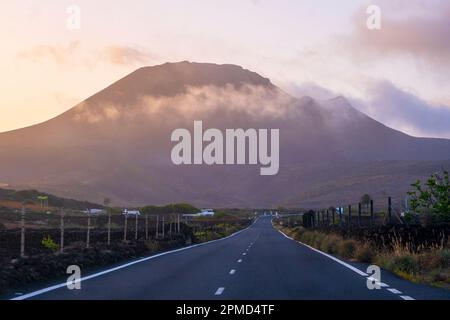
<point x="127" y="212"/>
<point x="94" y="211"/>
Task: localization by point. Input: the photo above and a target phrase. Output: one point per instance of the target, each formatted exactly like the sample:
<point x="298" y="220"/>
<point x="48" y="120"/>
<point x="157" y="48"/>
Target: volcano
<point x="117" y="144"/>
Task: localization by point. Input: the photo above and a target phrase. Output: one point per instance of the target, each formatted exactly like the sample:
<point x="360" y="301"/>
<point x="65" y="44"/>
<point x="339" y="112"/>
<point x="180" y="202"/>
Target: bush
<point x="365" y="253"/>
<point x="444" y="256"/>
<point x="406" y="264"/>
<point x="48" y="243"/>
<point x="347" y="248"/>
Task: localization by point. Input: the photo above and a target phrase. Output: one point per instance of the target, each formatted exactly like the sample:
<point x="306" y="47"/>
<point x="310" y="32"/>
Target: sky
<point x="399" y="75"/>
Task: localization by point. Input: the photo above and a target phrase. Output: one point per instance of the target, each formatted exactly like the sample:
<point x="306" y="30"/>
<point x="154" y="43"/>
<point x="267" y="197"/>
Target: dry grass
<point x="422" y="265"/>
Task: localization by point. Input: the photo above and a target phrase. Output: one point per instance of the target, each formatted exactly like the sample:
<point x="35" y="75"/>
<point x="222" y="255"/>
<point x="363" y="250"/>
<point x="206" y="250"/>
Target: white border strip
<point x="395" y="291"/>
<point x="329" y="256"/>
<point x="95" y="275"/>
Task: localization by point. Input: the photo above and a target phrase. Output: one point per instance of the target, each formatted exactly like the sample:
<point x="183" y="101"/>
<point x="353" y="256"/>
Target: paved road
<point x="257" y="263"/>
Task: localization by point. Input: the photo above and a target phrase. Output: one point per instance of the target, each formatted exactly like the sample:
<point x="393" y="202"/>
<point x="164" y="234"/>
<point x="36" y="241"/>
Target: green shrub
<point x="444" y="257"/>
<point x="48" y="243"/>
<point x="407" y="264"/>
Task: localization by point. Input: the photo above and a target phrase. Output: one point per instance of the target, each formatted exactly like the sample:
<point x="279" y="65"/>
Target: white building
<point x="206" y="213"/>
<point x="131" y="212"/>
<point x="94" y="211"/>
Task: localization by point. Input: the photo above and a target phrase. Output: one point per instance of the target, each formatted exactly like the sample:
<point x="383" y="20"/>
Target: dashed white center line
<point x="240" y="260"/>
<point x="244" y="254"/>
<point x="407" y="298"/>
<point x="233" y="271"/>
<point x="395" y="291"/>
<point x="219" y="291"/>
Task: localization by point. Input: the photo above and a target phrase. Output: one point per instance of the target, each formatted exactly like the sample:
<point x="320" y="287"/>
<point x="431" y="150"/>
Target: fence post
<point x="137" y="226"/>
<point x="371" y="212"/>
<point x="146" y="227"/>
<point x="109" y="227"/>
<point x="125" y="228"/>
<point x="178" y="217"/>
<point x="170" y="226"/>
<point x="61" y="239"/>
<point x="88" y="231"/>
<point x="163" y="227"/>
<point x="334" y="214"/>
<point x="341" y="212"/>
<point x="359" y="214"/>
<point x="328" y="217"/>
<point x="22" y="231"/>
<point x="390" y="209"/>
<point x="349" y="215"/>
<point x="157" y="226"/>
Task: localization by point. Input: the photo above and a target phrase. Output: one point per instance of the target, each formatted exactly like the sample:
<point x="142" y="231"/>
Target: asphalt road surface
<point x="259" y="263"/>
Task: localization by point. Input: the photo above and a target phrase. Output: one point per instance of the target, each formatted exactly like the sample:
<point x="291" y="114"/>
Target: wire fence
<point x="30" y="233"/>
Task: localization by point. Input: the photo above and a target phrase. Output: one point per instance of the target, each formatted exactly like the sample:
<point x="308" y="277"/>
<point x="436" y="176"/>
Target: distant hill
<point x="13" y="198"/>
<point x="116" y="144"/>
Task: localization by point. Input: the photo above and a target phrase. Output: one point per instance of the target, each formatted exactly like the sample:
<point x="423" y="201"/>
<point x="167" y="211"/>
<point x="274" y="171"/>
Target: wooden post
<point x="170" y="226"/>
<point x="146" y="227"/>
<point x="22" y="232"/>
<point x="328" y="217"/>
<point x="125" y="228"/>
<point x="163" y="227"/>
<point x="371" y="212"/>
<point x="178" y="223"/>
<point x="109" y="227"/>
<point x="359" y="214"/>
<point x="333" y="215"/>
<point x="88" y="231"/>
<point x="349" y="215"/>
<point x="137" y="226"/>
<point x="157" y="226"/>
<point x="61" y="239"/>
<point x="390" y="209"/>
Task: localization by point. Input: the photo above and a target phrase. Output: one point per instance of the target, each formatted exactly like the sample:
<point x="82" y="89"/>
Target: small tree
<point x="432" y="198"/>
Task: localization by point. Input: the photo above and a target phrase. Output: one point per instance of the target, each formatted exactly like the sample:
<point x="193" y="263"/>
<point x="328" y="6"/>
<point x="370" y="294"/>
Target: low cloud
<point x="405" y="111"/>
<point x="125" y="55"/>
<point x="422" y="34"/>
<point x="392" y="106"/>
<point x="195" y="103"/>
<point x="58" y="53"/>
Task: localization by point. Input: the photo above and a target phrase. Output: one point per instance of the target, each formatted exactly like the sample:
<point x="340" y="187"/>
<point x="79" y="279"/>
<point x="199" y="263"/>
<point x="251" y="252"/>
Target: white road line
<point x="331" y="257"/>
<point x="361" y="273"/>
<point x="233" y="271"/>
<point x="394" y="291"/>
<point x="219" y="291"/>
<point x="244" y="254"/>
<point x="381" y="284"/>
<point x="62" y="285"/>
<point x="406" y="298"/>
<point x="240" y="260"/>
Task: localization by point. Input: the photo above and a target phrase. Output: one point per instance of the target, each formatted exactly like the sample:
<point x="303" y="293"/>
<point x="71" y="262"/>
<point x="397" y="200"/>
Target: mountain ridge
<point x="116" y="143"/>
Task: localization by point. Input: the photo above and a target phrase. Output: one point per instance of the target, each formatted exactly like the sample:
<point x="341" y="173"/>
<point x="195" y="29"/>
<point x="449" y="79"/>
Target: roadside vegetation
<point x="418" y="249"/>
<point x="427" y="265"/>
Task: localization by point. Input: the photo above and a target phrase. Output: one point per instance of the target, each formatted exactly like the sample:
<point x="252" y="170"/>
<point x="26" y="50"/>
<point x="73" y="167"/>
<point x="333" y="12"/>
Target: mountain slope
<point x="117" y="144"/>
